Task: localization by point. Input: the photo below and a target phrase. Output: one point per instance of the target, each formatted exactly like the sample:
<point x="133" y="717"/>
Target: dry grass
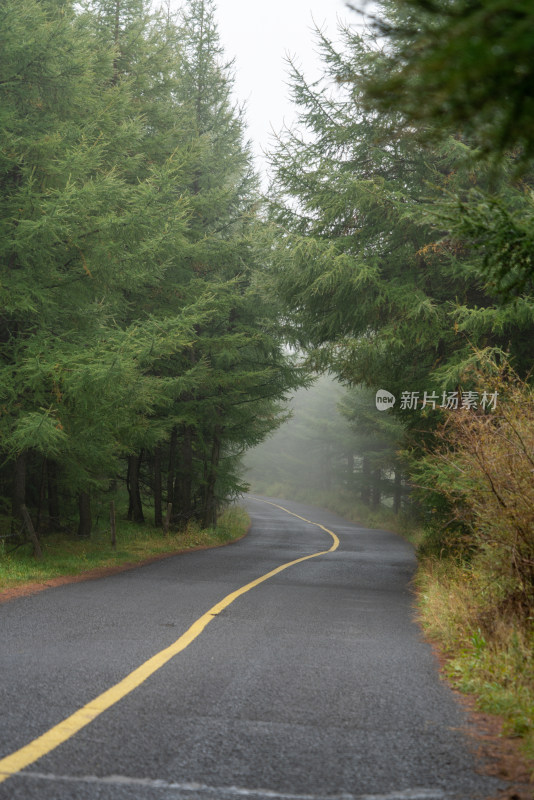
<point x="476" y="592"/>
<point x="488" y="654"/>
<point x="484" y="468"/>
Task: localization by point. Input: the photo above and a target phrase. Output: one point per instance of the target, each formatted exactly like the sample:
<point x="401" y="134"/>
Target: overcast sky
<point x="260" y="34"/>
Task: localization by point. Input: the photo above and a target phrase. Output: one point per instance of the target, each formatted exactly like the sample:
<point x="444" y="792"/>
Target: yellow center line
<point x="64" y="730"/>
<point x="317" y="524"/>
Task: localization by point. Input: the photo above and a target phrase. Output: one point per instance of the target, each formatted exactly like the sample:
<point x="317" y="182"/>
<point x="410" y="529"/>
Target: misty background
<point x="335" y="448"/>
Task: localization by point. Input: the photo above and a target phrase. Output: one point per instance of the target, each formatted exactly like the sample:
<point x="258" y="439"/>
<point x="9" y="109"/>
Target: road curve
<point x="313" y="683"/>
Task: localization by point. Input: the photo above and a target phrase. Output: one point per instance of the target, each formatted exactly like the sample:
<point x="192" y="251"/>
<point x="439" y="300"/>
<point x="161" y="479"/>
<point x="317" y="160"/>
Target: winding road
<point x="287" y="666"/>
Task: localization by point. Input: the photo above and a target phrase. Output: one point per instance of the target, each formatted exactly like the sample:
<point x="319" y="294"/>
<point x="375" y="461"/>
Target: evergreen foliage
<point x="465" y="68"/>
<point x="372" y="285"/>
<point x="458" y="65"/>
<point x="393" y="250"/>
<point x="139" y="348"/>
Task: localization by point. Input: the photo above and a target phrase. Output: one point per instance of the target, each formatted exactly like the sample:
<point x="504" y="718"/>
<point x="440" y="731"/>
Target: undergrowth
<point x="476" y="576"/>
<point x="488" y="654"/>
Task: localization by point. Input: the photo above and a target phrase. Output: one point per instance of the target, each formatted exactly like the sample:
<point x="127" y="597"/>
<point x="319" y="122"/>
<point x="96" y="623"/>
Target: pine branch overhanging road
<point x="312" y="683"/>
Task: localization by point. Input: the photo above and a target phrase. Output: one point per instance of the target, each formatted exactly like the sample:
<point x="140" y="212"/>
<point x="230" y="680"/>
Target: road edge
<point x="95" y="573"/>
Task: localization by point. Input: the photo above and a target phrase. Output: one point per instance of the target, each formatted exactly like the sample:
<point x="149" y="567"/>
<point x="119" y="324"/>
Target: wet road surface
<point x="315" y="683"/>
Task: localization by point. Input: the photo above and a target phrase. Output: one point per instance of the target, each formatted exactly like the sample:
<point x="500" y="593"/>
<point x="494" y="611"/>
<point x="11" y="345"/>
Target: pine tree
<point x="382" y="282"/>
<point x="78" y="234"/>
<point x="49" y="154"/>
<point x="236" y="352"/>
<point x="373" y="287"/>
<point x="458" y="66"/>
<point x="466" y="69"/>
<point x="135" y="336"/>
<point x="189" y="444"/>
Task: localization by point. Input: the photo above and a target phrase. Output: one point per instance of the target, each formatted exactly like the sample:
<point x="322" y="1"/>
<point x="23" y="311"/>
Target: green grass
<point x="488" y="652"/>
<point x="65" y="555"/>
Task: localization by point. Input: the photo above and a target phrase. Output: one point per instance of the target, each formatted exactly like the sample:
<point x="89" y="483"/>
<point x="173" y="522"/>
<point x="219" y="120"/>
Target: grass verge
<point x="67" y="556"/>
<point x="488" y="651"/>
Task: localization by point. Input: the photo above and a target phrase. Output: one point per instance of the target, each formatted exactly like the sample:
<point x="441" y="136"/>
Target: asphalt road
<point x="316" y="683"/>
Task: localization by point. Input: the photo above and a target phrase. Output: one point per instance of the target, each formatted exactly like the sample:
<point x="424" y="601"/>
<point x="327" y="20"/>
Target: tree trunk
<point x="19" y="502"/>
<point x="350" y="469"/>
<point x="376" y="489"/>
<point x="28" y="524"/>
<point x="184" y="483"/>
<point x="84" y="510"/>
<point x="366" y="481"/>
<point x="42" y="495"/>
<point x="135" y="508"/>
<point x="397" y="491"/>
<point x="113" y="525"/>
<point x="158" y="517"/>
<point x="19" y="485"/>
<point x="210" y="503"/>
<point x="167" y="520"/>
<point x="53" y="496"/>
<point x="172" y="465"/>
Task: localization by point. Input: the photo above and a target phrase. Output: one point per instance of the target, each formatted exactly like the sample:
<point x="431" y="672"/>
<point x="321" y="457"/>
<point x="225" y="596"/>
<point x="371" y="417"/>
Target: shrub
<point x="483" y="469"/>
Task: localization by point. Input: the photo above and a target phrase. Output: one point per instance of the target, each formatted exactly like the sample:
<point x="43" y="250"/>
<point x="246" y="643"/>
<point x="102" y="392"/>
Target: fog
<point x="336" y="447"/>
<point x="304" y="452"/>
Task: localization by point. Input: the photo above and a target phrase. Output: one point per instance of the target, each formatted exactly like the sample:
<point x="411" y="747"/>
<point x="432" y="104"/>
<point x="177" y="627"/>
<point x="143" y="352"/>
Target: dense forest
<point x="140" y="351"/>
<point x="402" y="258"/>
